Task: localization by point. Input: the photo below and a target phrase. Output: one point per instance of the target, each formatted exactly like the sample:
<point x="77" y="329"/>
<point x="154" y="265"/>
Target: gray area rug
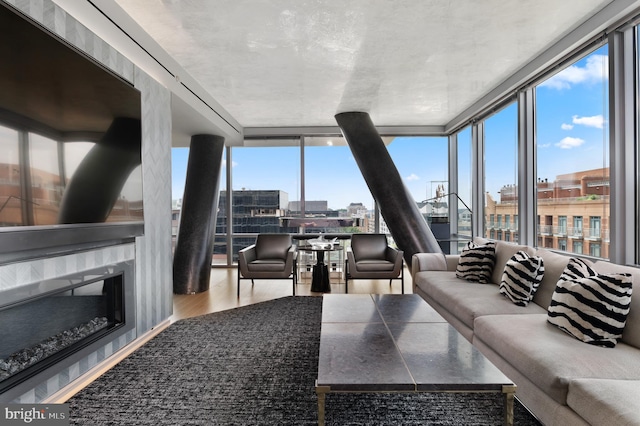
<point x="256" y="365"/>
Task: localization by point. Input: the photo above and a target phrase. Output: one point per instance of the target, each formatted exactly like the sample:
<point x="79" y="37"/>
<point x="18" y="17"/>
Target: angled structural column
<point x="408" y="228"/>
<point x="194" y="248"/>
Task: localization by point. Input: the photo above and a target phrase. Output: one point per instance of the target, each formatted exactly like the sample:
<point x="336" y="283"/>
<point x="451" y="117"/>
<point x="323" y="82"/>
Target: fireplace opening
<point x="41" y="330"/>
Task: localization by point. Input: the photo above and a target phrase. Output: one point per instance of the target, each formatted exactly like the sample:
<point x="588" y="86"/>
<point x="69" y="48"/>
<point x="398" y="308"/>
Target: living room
<point x="490" y="121"/>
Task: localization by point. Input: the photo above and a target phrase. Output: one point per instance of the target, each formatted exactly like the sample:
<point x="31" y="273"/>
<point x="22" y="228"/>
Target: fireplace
<point x="48" y="325"/>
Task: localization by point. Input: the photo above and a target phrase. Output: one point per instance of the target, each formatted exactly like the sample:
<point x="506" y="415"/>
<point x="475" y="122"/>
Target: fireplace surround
<point x="51" y="324"/>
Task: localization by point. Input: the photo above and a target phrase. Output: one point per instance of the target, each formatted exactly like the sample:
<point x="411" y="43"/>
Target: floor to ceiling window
<point x="266" y="181"/>
<point x="422" y="163"/>
<point x="572" y="157"/>
<point x="465" y="173"/>
<point x="337" y="199"/>
<point x="501" y="174"/>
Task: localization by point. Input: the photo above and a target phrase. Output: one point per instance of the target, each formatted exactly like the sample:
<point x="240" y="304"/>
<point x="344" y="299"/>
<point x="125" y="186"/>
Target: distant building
<point x="573" y="213"/>
<point x="254" y="212"/>
<point x="310" y="207"/>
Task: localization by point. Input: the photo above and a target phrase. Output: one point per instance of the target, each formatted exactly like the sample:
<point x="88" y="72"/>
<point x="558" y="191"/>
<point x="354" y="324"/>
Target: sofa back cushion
<point x="631" y="332"/>
<point x="554" y="265"/>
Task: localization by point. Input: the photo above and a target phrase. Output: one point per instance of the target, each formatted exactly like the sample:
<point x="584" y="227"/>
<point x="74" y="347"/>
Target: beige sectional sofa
<point x="561" y="379"/>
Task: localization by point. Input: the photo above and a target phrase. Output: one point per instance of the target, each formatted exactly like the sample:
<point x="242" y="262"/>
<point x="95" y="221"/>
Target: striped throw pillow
<point x="521" y="277"/>
<point x="476" y="262"/>
<point x="591" y="308"/>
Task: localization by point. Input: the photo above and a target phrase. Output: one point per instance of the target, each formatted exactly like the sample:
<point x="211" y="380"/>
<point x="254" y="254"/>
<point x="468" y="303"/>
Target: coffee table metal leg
<point x="322" y="392"/>
<point x="509" y="394"/>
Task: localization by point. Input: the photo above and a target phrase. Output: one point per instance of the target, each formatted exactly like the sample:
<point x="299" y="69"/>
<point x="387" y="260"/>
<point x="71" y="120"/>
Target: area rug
<point x="256" y="365"/>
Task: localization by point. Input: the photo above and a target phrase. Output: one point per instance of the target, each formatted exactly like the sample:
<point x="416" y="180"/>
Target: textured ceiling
<point x="280" y="63"/>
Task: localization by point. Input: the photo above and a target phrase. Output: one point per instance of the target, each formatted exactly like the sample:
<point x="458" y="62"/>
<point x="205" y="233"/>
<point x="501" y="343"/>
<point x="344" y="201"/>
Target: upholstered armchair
<point x="370" y="257"/>
<point x="273" y="256"/>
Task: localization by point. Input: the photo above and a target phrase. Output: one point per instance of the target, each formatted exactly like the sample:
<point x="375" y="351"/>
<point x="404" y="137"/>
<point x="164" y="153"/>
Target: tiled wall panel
<point x="152" y="252"/>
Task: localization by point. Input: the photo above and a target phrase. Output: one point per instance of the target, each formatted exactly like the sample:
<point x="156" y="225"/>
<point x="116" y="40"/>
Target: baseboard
<point x="86" y="379"/>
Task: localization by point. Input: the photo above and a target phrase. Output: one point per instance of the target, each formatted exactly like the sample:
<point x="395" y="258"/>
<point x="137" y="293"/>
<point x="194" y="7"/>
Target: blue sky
<point x="571" y="127"/>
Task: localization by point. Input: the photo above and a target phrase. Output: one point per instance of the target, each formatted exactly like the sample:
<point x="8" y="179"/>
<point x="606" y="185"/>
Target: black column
<point x="408" y="228"/>
<point x="194" y="248"/>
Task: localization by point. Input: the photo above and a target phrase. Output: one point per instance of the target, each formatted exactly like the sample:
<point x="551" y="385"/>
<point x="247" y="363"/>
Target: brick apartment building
<point x="573" y="213"/>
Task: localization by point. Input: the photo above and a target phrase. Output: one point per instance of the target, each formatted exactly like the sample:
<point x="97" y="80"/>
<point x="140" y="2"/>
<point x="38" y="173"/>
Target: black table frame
<point x="320" y="282"/>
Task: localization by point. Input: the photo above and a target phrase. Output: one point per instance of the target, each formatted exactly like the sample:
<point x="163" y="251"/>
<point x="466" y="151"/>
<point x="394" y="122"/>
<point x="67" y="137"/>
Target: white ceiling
<point x="282" y="63"/>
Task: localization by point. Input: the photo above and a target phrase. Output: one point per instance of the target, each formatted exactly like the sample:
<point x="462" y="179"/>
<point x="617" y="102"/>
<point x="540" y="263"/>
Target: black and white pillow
<point x="476" y="262"/>
<point x="521" y="277"/>
<point x="577" y="268"/>
<point x="592" y="307"/>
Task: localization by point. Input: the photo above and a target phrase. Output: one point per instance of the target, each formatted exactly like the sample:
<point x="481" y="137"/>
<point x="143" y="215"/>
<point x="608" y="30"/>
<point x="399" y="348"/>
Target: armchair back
<point x="273" y="246"/>
<point x="369" y="246"/>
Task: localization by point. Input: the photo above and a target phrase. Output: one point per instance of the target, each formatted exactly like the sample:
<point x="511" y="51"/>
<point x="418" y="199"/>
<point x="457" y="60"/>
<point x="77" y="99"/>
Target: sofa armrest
<point x="428" y="262"/>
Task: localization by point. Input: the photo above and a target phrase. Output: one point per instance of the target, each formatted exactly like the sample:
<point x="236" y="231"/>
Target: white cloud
<point x="566" y="126"/>
<point x="569" y="142"/>
<point x="233" y="164"/>
<point x="413" y="176"/>
<point x="596" y="121"/>
<point x="595" y="70"/>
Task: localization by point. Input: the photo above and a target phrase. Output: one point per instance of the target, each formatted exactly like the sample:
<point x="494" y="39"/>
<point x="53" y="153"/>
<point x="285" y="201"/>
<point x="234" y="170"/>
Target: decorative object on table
<point x="321" y="242"/>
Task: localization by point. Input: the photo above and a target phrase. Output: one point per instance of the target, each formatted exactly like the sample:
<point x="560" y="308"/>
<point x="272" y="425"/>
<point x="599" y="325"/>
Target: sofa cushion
<point x="504" y="252"/>
<point x="606" y="402"/>
<point x="550" y="358"/>
<point x="631" y="333"/>
<point x="554" y="265"/>
<point x="521" y="278"/>
<point x="476" y="262"/>
<point x="467" y="300"/>
<point x="592" y="308"/>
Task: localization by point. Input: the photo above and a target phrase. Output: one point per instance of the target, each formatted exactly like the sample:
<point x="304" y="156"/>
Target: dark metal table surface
<point x="398" y="343"/>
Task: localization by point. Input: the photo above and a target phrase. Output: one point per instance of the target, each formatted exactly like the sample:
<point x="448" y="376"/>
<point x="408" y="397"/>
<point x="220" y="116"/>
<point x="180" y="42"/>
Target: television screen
<point x="70" y="135"/>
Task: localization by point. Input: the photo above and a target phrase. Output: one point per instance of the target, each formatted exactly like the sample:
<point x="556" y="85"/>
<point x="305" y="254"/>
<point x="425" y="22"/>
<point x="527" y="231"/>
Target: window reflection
<point x="35" y="171"/>
<point x="10" y="182"/>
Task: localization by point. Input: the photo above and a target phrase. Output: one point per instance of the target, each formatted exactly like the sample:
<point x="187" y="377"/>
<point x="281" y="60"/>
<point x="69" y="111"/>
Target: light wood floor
<point x="222" y="293"/>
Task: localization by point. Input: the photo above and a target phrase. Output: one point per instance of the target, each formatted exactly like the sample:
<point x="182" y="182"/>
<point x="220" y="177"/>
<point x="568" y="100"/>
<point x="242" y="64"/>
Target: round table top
<point x="327" y="247"/>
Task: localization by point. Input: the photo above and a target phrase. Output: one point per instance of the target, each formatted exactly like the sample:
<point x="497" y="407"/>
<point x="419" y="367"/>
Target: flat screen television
<point x="70" y="145"/>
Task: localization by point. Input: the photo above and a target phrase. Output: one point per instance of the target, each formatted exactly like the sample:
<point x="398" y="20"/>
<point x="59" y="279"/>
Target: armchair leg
<point x="238" y="281"/>
<point x="346" y="277"/>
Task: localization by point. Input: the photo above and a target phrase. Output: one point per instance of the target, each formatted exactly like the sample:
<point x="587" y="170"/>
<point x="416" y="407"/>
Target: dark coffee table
<point x="398" y="343"/>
